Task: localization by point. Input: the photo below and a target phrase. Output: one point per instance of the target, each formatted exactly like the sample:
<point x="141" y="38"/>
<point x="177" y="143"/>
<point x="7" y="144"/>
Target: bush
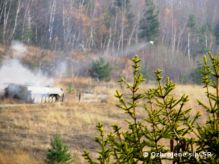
<point x="58" y="153"/>
<point x="166" y="119"/>
<point x="101" y="70"/>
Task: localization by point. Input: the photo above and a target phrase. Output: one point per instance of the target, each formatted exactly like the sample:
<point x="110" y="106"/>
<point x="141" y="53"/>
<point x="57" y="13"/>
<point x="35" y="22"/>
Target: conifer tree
<point x="166" y="118"/>
<point x="121" y="3"/>
<point x="58" y="153"/>
<point x="101" y="70"/>
<point x="149" y="24"/>
<point x="208" y="136"/>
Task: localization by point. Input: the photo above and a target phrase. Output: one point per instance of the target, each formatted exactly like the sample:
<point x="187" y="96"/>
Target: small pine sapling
<point x="58" y="153"/>
<point x="165" y="119"/>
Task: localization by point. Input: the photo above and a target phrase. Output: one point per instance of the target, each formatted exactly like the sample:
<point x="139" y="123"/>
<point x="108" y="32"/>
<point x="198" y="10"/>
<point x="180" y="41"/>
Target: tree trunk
<point x="206" y="42"/>
<point x="188" y="47"/>
<point x="180" y="37"/>
<point x="16" y="18"/>
<point x="51" y="19"/>
<point x="5" y="20"/>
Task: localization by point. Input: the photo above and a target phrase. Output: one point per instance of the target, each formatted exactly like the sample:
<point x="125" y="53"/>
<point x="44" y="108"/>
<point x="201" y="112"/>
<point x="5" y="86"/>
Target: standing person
<point x="79" y="96"/>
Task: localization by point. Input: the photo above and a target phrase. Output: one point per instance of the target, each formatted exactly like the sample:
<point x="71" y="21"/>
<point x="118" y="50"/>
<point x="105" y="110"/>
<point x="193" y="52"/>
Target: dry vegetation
<point x="26" y="130"/>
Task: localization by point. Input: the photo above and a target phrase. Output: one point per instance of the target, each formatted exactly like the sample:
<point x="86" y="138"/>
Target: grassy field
<point x="26" y="129"/>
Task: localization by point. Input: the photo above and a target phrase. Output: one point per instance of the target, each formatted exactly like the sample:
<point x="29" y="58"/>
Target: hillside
<point x="64" y="31"/>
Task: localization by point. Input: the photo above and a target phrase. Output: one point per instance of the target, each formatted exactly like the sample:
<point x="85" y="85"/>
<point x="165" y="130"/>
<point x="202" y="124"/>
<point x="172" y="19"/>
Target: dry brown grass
<point x="26" y="130"/>
<point x="18" y="157"/>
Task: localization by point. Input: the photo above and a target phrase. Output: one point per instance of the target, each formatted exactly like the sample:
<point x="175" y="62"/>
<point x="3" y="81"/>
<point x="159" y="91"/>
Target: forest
<point x="182" y="31"/>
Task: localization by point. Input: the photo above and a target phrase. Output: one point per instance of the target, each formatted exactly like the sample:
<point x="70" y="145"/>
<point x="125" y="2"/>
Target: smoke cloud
<point x="13" y="71"/>
<point x="18" y="49"/>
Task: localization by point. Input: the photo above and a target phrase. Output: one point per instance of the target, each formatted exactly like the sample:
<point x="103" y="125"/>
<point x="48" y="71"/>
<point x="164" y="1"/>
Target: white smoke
<point x="13" y="71"/>
<point x="61" y="69"/>
<point x="18" y="49"/>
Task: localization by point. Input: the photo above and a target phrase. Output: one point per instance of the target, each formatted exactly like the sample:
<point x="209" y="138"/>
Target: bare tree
<point x="51" y="19"/>
<point x="7" y="9"/>
<point x="16" y="18"/>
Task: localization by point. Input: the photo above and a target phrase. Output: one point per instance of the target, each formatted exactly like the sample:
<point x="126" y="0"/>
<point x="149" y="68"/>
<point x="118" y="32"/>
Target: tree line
<point x="111" y="25"/>
<point x="181" y="30"/>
